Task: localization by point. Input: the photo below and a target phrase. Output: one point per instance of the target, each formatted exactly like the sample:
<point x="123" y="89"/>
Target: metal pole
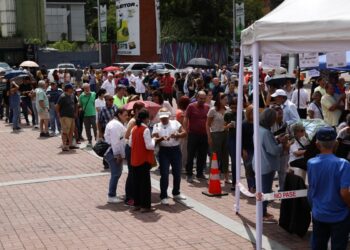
<point x="257" y="145"/>
<point x="99" y="32"/>
<point x="239" y="129"/>
<point x="234" y="32"/>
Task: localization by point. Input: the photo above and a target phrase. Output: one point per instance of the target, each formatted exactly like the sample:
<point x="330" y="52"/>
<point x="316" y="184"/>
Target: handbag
<point x="100" y="148"/>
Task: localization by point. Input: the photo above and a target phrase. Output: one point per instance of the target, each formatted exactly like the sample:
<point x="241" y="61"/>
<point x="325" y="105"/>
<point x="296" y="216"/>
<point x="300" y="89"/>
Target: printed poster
<point x="240" y="21"/>
<point x="128" y="27"/>
<point x="308" y="60"/>
<point x="157" y="6"/>
<point x="271" y="61"/>
<point x="336" y="59"/>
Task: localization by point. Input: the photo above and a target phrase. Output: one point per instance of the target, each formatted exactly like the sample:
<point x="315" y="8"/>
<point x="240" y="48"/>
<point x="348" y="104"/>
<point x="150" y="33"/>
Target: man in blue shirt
<point x="329" y="195"/>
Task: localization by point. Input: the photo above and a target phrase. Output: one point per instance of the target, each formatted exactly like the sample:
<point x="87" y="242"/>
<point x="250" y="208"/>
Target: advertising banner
<point x="128" y="27"/>
<point x="157" y="5"/>
<point x="103" y="23"/>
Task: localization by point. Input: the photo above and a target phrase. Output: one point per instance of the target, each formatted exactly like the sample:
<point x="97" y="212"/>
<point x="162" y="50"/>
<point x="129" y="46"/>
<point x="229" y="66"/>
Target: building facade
<point x="65" y="19"/>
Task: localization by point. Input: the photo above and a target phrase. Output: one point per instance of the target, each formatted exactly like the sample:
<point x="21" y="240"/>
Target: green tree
<point x="203" y="20"/>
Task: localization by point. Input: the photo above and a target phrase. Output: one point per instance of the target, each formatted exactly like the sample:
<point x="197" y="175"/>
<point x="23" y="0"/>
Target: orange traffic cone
<point x="214" y="179"/>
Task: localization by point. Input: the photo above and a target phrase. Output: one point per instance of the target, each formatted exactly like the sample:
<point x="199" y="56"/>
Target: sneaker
<point x="164" y="201"/>
<point x="179" y="197"/>
<point x="36" y="126"/>
<point x="114" y="200"/>
<point x="189" y="179"/>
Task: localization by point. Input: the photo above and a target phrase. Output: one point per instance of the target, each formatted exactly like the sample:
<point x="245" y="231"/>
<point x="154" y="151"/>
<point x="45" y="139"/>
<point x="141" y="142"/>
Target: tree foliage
<point x="64" y="45"/>
<point x="203" y="20"/>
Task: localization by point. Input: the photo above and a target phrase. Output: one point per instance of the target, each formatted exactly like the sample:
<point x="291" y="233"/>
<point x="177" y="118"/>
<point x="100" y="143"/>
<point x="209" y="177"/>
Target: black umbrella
<point x="200" y="63"/>
<point x="280" y="80"/>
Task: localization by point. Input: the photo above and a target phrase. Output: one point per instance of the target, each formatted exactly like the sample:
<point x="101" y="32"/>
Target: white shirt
<point x="131" y="79"/>
<point x="295" y="147"/>
<point x="149" y="142"/>
<point x="109" y="87"/>
<point x="303" y="98"/>
<point x="316" y="109"/>
<point x="167" y="130"/>
<point x="139" y="86"/>
<point x="114" y="135"/>
<point x="100" y="103"/>
<point x="290" y="112"/>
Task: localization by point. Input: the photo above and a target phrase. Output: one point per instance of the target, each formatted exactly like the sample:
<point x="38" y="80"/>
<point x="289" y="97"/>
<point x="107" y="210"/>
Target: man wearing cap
<point x="290" y="112"/>
<point x="119" y="98"/>
<point x="66" y="111"/>
<point x="109" y="85"/>
<point x="167" y="133"/>
<point x="328" y="194"/>
<point x="53" y="93"/>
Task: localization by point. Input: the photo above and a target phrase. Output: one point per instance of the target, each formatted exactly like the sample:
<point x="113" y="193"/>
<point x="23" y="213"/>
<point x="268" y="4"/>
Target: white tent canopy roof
<point x="301" y="26"/>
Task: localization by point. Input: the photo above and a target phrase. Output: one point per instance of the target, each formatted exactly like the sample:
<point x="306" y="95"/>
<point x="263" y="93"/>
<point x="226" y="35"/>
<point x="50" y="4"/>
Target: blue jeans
<point x="266" y="186"/>
<point x="15" y="116"/>
<point x="232" y="151"/>
<point x="338" y="232"/>
<point x="54" y="119"/>
<point x="116" y="172"/>
<point x="167" y="156"/>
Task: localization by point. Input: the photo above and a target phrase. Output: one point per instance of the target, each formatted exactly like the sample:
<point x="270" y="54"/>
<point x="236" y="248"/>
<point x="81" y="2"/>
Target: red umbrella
<point x="111" y="68"/>
<point x="152" y="107"/>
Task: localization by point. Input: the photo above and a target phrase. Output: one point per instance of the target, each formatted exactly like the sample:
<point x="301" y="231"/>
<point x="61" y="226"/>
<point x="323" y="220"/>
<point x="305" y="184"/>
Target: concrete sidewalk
<point x="55" y="200"/>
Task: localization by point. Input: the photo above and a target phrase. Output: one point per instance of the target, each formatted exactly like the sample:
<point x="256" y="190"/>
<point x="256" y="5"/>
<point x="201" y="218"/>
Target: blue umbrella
<point x="14" y="73"/>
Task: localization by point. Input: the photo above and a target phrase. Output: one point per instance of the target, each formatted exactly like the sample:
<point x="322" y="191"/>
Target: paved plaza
<point x="55" y="200"/>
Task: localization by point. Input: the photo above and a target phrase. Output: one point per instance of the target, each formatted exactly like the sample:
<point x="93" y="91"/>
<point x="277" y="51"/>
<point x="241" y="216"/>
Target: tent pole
<point x="239" y="128"/>
<point x="257" y="146"/>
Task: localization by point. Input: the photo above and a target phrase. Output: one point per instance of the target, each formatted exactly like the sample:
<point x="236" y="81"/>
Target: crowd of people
<point x="197" y="116"/>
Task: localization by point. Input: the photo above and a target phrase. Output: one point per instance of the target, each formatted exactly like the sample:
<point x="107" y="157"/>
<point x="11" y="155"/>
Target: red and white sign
<point x="285" y="195"/>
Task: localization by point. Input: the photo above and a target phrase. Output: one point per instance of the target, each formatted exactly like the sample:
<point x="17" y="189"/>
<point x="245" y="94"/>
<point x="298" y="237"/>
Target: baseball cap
<point x="164" y="115"/>
<point x="68" y="86"/>
<point x="279" y="92"/>
<point x="326" y="134"/>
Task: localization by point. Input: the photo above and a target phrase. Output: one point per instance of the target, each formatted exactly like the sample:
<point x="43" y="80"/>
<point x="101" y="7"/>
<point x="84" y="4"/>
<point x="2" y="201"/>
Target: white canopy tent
<point x="295" y="26"/>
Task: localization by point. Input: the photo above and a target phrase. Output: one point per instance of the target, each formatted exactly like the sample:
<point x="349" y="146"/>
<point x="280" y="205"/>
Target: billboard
<point x="103" y="23"/>
<point x="128" y="27"/>
<point x="157" y="6"/>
